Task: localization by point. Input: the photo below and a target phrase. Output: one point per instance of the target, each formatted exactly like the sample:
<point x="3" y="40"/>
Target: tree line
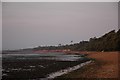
<point x="108" y="42"/>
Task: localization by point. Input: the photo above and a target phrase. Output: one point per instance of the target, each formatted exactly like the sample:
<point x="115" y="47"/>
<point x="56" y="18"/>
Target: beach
<point x="105" y="65"/>
<point x="39" y="65"/>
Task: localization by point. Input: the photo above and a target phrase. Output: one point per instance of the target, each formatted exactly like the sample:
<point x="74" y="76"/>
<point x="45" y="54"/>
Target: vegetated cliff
<point x="108" y="42"/>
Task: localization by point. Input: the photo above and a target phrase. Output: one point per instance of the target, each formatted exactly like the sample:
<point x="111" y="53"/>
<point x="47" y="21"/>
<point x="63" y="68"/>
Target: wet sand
<point x="105" y="65"/>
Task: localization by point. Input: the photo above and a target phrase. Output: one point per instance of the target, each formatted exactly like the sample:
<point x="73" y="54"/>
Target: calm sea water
<point x="44" y="56"/>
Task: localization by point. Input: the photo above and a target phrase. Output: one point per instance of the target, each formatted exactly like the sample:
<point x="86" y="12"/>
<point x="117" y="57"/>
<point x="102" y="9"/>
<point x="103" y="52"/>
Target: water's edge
<point x="65" y="71"/>
<point x="41" y="66"/>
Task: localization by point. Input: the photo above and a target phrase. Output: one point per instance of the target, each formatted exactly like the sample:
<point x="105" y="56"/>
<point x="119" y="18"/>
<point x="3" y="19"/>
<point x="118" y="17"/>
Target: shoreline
<point x="34" y="67"/>
<point x="105" y="66"/>
<point x="67" y="70"/>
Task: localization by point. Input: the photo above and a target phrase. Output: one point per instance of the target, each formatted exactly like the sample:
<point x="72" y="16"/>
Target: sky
<point x="26" y="25"/>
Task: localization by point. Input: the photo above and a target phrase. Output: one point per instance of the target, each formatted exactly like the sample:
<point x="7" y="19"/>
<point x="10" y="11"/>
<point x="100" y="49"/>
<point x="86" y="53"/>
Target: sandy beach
<point x="105" y="65"/>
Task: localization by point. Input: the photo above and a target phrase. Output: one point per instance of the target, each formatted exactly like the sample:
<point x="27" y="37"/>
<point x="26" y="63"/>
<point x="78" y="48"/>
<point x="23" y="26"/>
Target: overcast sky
<point x="34" y="24"/>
